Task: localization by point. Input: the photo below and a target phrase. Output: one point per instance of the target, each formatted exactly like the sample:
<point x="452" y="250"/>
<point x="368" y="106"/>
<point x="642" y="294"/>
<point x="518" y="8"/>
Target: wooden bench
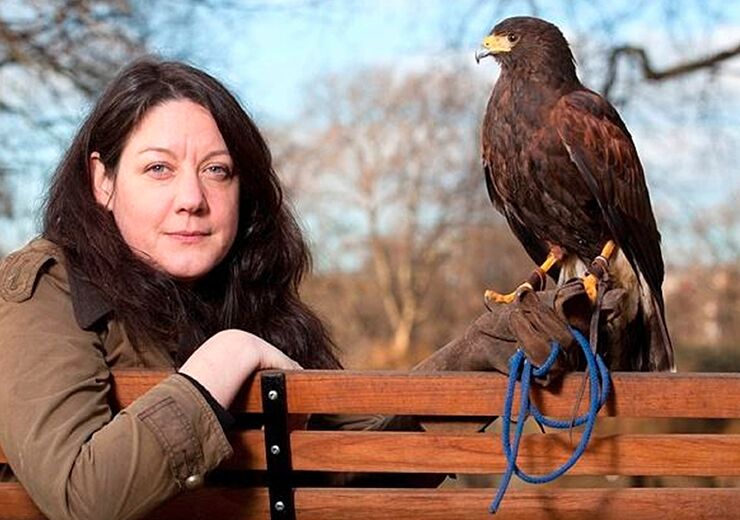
<point x="614" y="449"/>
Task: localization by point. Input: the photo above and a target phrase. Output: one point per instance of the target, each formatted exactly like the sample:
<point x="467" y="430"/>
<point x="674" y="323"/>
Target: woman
<point x="165" y="230"/>
<point x="165" y="239"/>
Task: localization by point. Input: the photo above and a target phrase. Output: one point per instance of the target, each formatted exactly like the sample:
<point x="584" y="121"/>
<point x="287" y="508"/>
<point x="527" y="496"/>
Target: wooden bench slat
<point x="475" y="393"/>
<point x="625" y="454"/>
<point x="210" y="503"/>
<point x="205" y="504"/>
<point x="621" y="454"/>
<point x="443" y="504"/>
<point x="15" y="504"/>
<point x="638" y="395"/>
<point x="544" y="504"/>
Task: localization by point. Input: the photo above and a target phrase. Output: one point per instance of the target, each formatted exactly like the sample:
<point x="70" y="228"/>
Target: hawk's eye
<point x="512" y="38"/>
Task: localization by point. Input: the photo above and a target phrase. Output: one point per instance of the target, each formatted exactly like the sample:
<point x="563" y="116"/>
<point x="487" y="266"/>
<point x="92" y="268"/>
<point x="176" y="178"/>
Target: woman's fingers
<point x="227" y="359"/>
<point x="274" y="358"/>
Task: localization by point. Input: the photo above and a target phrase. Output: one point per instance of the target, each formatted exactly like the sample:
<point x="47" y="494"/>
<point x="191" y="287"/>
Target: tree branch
<point x="651" y="74"/>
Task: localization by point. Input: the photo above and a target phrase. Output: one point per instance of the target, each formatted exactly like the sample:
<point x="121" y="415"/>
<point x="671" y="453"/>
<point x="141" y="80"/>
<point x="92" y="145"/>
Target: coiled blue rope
<point x="519" y="366"/>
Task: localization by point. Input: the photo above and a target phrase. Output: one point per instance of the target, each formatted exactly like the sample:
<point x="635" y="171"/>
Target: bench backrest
<point x="614" y="449"/>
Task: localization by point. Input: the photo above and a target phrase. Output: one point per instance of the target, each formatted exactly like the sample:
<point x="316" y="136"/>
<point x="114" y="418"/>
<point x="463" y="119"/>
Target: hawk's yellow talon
<point x="601" y="262"/>
<point x="498" y="298"/>
<point x="494" y="297"/>
<point x="536" y="279"/>
<point x="590" y="283"/>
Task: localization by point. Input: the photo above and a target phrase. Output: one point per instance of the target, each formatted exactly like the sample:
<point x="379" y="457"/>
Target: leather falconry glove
<point x="531" y="322"/>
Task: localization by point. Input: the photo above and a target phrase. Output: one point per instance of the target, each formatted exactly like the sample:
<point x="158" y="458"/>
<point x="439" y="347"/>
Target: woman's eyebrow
<point x="215" y="153"/>
<point x="169" y="152"/>
<point x="157" y="149"/>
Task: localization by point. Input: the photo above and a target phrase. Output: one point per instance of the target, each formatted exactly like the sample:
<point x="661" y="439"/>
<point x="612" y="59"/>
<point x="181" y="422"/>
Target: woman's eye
<point x="157" y="170"/>
<point x="218" y="171"/>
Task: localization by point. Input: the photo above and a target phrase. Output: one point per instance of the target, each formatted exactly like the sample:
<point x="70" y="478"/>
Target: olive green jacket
<point x="75" y="455"/>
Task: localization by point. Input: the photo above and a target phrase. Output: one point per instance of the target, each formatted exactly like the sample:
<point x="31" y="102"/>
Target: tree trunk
<point x="402" y="338"/>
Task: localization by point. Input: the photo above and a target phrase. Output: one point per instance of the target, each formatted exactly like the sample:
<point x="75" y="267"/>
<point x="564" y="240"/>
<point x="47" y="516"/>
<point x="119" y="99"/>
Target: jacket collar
<point x="89" y="303"/>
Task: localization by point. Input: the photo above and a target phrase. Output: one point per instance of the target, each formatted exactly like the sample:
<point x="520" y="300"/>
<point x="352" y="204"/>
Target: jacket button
<point x="194" y="482"/>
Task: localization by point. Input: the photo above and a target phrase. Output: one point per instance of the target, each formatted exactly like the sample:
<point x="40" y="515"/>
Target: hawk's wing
<point x="600" y="146"/>
<point x="535" y="248"/>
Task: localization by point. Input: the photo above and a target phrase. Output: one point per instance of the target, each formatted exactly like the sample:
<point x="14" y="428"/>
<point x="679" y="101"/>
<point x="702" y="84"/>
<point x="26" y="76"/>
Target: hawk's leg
<point x="599" y="266"/>
<point x="535" y="282"/>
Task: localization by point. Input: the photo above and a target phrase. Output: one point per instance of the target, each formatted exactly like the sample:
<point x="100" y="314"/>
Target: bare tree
<point x="390" y="161"/>
<point x="56" y="55"/>
<point x="66" y="50"/>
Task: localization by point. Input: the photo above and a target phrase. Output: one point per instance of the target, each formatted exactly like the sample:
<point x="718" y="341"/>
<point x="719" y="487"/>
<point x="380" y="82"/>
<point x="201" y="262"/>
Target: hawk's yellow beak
<point x="493" y="44"/>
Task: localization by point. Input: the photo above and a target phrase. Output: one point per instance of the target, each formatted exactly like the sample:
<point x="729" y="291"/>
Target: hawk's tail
<point x="660" y="356"/>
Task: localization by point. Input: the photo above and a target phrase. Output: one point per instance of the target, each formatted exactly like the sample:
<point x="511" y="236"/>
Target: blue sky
<point x="279" y="51"/>
<point x="270" y="57"/>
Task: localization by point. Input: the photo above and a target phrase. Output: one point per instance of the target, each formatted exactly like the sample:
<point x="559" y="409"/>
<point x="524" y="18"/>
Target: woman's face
<point x="175" y="195"/>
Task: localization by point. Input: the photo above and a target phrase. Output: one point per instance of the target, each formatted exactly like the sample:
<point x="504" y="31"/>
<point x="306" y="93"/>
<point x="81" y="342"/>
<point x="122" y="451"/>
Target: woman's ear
<point x="102" y="184"/>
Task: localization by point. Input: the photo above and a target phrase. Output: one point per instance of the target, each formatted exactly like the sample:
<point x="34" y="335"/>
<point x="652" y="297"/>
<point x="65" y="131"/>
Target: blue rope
<point x="519" y="366"/>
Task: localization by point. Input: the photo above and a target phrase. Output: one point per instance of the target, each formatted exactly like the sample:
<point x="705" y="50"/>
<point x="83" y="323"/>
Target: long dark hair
<point x="255" y="288"/>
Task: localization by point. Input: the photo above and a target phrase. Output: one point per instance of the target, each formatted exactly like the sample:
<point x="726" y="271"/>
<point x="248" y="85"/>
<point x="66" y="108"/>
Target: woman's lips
<point x="188" y="237"/>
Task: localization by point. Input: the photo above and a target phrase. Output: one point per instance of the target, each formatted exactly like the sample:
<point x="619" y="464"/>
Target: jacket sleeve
<point x="71" y="453"/>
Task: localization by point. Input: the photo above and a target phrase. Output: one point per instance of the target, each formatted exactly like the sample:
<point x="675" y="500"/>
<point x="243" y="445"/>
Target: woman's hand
<point x="224" y="362"/>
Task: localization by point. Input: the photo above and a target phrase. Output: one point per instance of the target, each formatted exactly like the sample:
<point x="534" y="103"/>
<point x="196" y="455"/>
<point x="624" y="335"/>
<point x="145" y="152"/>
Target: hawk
<point x="561" y="166"/>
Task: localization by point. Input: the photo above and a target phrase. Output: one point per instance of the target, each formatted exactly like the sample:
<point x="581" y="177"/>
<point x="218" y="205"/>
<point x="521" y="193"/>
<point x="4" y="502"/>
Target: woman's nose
<point x="190" y="196"/>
